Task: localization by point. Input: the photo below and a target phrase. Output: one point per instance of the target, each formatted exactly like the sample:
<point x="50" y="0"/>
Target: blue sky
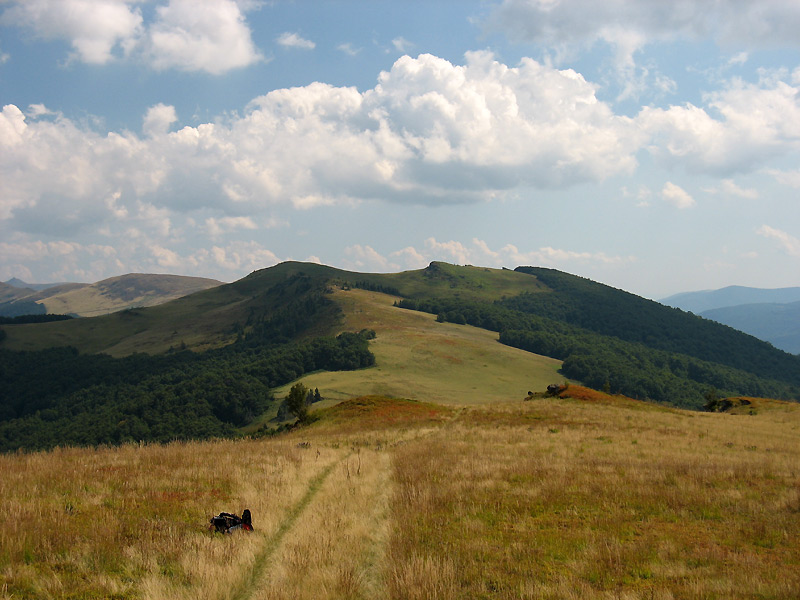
<point x="653" y="146"/>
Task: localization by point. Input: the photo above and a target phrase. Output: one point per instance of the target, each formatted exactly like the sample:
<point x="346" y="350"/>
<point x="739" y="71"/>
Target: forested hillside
<point x="613" y="340"/>
<point x="58" y="396"/>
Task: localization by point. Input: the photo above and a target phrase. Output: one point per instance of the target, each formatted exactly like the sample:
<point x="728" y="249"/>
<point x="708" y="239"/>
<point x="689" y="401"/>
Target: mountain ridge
<point x="772" y="315"/>
<point x="732" y="295"/>
<point x="778" y="324"/>
<point x="607" y="338"/>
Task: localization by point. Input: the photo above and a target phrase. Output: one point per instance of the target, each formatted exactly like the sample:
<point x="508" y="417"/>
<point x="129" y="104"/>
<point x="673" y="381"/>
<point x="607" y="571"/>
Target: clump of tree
<point x="60" y="397"/>
<point x="297" y="403"/>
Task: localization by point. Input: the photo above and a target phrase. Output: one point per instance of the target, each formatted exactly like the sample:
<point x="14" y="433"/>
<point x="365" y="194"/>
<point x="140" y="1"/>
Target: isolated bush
<point x="296" y="402"/>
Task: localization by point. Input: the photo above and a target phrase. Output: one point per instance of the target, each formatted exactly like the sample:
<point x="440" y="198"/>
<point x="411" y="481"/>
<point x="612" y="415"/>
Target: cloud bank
<point x="430" y="132"/>
<point x="566" y="28"/>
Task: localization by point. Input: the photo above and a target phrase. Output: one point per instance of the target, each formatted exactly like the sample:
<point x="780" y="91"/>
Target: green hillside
<point x="610" y="339"/>
<point x="215" y="317"/>
<point x="206" y="319"/>
<point x="221" y="359"/>
<point x="256" y="335"/>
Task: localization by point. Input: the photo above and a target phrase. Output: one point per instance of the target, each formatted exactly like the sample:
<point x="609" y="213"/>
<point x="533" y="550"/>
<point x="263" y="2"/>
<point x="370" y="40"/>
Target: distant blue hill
<point x="772" y="315"/>
<point x="778" y="324"/>
<point x="734" y="295"/>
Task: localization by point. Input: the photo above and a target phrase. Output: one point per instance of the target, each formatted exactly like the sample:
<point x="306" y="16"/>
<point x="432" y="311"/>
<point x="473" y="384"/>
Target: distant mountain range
<point x="110" y="295"/>
<point x="772" y="315"/>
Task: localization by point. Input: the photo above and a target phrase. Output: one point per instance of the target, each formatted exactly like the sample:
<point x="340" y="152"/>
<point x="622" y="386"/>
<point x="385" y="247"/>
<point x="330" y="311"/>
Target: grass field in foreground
<point x="585" y="497"/>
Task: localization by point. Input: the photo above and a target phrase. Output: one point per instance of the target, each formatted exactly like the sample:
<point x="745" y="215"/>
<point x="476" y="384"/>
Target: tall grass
<point x="115" y="522"/>
<point x="574" y="500"/>
<point x="593" y="498"/>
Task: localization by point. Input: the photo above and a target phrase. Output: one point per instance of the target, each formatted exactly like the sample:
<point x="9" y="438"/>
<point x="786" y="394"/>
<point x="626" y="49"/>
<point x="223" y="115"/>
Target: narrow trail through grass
<point x="587" y="496"/>
<point x="250" y="583"/>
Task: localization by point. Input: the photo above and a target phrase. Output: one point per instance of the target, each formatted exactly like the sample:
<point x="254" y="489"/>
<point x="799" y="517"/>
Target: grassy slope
<point x="201" y="320"/>
<point x="125" y="291"/>
<point x="586" y="496"/>
<point x="419" y="358"/>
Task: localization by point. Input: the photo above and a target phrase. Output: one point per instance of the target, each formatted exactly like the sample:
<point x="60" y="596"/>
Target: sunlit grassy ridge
<point x="117" y="293"/>
<point x="585" y="496"/>
<point x="418" y="358"/>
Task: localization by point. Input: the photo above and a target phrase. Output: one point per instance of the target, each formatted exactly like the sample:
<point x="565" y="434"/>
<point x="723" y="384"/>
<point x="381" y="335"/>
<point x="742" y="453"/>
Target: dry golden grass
<point x="132" y="521"/>
<point x="584" y="497"/>
<point x="592" y="499"/>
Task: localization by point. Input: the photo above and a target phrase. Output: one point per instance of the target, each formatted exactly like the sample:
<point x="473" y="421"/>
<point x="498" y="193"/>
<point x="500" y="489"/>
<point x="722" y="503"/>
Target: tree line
<point x="61" y="397"/>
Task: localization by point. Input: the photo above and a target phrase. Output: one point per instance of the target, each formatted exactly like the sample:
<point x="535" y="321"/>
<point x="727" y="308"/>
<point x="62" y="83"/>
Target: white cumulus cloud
<point x="677" y="196"/>
<point x="158" y="119"/>
<point x="214" y="37"/>
<point x="294" y="40"/>
<point x="94" y="28"/>
<point x="756" y="121"/>
<point x="429" y="132"/>
<point x="789" y="243"/>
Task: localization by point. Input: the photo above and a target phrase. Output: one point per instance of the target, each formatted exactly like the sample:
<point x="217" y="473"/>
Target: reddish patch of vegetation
<point x="383" y="410"/>
<point x="578" y="392"/>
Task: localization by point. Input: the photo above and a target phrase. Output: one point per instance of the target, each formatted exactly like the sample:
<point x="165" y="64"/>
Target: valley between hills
<point x="435" y="466"/>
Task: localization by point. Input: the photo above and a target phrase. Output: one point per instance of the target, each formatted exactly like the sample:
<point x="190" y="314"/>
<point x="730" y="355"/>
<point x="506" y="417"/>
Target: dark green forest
<point x="61" y="397"/>
<point x="618" y="342"/>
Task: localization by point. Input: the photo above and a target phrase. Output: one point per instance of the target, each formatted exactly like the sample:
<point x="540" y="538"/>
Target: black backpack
<point x="224" y="521"/>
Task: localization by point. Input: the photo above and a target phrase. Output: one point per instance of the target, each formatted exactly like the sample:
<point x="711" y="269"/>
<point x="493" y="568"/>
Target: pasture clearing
<point x="419" y="358"/>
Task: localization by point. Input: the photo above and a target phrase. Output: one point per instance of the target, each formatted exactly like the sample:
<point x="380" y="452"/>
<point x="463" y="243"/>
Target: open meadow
<point x="585" y="496"/>
<point x="417" y="357"/>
